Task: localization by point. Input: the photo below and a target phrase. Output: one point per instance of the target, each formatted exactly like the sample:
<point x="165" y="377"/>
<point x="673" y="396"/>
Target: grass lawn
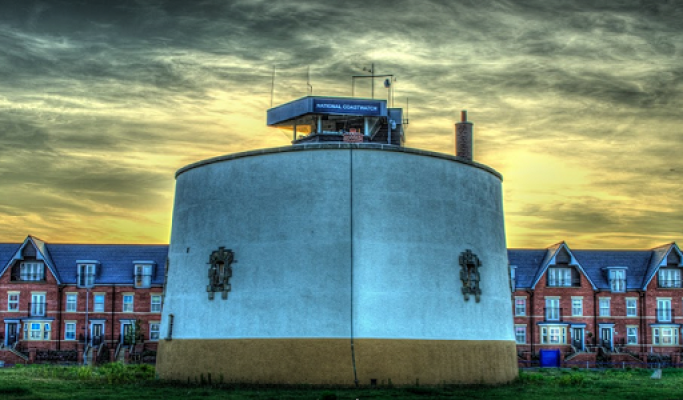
<point x="116" y="381"/>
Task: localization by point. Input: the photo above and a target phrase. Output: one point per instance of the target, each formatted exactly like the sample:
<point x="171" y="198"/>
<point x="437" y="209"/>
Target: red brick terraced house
<point x="67" y="302"/>
<point x="612" y="306"/>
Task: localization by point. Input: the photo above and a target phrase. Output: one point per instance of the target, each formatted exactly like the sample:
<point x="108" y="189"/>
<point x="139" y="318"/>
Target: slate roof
<point x="641" y="264"/>
<point x="116" y="260"/>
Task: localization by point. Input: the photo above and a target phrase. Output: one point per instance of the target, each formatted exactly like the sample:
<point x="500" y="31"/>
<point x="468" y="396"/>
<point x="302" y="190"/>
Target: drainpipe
<point x="595" y="317"/>
<point x="59" y="318"/>
<point x="643" y="333"/>
<point x="113" y="305"/>
<point x="531" y="319"/>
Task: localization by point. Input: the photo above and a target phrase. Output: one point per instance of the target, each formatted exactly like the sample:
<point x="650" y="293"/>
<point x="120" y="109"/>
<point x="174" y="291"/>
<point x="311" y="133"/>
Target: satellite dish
<point x="387" y="83"/>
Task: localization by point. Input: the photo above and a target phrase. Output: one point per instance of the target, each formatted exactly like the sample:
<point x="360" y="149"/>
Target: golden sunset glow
<point x="577" y="106"/>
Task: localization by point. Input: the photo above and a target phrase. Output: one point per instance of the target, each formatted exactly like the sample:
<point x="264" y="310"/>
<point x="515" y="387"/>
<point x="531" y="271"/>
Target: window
<point x="577" y="307"/>
<point x="553" y="335"/>
<point x="127" y="303"/>
<point x="665" y="336"/>
<point x="631" y="309"/>
<point x="38" y="305"/>
<point x="154" y="330"/>
<point x="143" y="276"/>
<point x="617" y="280"/>
<point x="520" y="334"/>
<point x="32" y="271"/>
<point x="71" y="302"/>
<point x="520" y="306"/>
<point x="604" y="307"/>
<point x="36" y="331"/>
<point x="552" y="309"/>
<point x="560" y="277"/>
<point x="663" y="310"/>
<point x="631" y="335"/>
<point x="99" y="303"/>
<point x="13" y="302"/>
<point x="86" y="275"/>
<point x="70" y="331"/>
<point x="156" y="303"/>
<point x="669" y="278"/>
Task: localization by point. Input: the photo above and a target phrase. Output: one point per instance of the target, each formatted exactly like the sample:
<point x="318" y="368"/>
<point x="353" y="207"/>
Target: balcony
<point x="553" y="313"/>
<point x="37" y="309"/>
<point x="24" y="276"/>
<point x="564" y="282"/>
<point x="664" y="315"/>
<point x="669" y="283"/>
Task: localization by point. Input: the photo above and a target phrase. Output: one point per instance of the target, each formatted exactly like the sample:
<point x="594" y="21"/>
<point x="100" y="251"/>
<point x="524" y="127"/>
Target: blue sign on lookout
<point x="345" y="106"/>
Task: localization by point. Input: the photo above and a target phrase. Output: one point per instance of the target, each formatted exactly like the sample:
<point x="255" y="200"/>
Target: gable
<point x="32" y="249"/>
<point x="560" y="254"/>
<point x="661" y="257"/>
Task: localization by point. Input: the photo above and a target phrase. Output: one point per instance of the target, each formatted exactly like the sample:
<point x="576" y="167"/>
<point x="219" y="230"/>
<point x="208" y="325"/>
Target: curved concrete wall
<point x="335" y="242"/>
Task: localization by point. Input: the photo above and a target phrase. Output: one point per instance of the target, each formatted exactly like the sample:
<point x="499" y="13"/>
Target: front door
<point x="577" y="338"/>
<point x="606" y="337"/>
<point x="127" y="334"/>
<point x="97" y="334"/>
<point x="12" y="331"/>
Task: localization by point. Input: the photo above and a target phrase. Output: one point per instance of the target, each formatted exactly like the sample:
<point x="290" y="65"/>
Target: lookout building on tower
<point x="315" y="119"/>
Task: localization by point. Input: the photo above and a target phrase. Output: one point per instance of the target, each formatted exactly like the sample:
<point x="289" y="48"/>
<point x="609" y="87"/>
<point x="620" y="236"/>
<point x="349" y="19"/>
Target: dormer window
<point x="86" y="274"/>
<point x="143" y="275"/>
<point x="669" y="277"/>
<point x="32" y="271"/>
<point x="563" y="277"/>
<point x="617" y="280"/>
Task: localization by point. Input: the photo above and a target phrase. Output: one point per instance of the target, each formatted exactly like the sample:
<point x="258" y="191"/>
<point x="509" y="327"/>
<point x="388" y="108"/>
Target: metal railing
<point x="664" y="314"/>
<point x="618" y="285"/>
<point x="37" y="309"/>
<point x="669" y="283"/>
<point x="24" y="276"/>
<point x="553" y="313"/>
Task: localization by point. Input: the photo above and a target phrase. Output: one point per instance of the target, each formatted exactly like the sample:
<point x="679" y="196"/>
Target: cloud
<point x="101" y="102"/>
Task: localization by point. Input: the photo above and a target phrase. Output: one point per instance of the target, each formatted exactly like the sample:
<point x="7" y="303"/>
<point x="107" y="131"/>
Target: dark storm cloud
<point x="88" y="88"/>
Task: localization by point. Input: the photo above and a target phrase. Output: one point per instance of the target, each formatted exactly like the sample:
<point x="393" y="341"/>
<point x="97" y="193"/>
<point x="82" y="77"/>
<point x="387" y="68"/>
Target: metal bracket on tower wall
<point x="220" y="272"/>
<point x="469" y="274"/>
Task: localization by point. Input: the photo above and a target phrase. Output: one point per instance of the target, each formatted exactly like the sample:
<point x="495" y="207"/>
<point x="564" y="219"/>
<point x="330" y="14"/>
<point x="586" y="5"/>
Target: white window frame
<point x="86" y="275"/>
<point x="143" y="275"/>
<point x="577" y="307"/>
<point x="32" y="271"/>
<point x="605" y="307"/>
<point x="67" y="331"/>
<point x="665" y="336"/>
<point x="98" y="307"/>
<point x="154" y="330"/>
<point x="520" y="333"/>
<point x="38" y="305"/>
<point x="559" y="277"/>
<point x="664" y="310"/>
<point x="37" y="330"/>
<point x="71" y="302"/>
<point x="631" y="307"/>
<point x="552" y="309"/>
<point x="617" y="280"/>
<point x="128" y="306"/>
<point x="669" y="278"/>
<point x="520" y="306"/>
<point x="553" y="334"/>
<point x="155" y="306"/>
<point x="631" y="335"/>
<point x="11" y="302"/>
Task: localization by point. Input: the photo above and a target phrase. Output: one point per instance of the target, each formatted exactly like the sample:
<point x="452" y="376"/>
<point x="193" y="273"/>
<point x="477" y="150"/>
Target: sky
<point x="577" y="104"/>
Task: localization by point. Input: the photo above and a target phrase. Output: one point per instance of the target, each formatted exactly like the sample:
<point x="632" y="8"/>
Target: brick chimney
<point x="463" y="137"/>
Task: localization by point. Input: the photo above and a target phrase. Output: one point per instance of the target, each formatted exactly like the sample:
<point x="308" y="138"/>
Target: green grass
<point x="115" y="381"/>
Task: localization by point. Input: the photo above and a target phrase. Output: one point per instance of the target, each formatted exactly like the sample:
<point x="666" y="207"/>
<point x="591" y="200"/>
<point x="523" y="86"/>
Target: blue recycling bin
<point x="549" y="357"/>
